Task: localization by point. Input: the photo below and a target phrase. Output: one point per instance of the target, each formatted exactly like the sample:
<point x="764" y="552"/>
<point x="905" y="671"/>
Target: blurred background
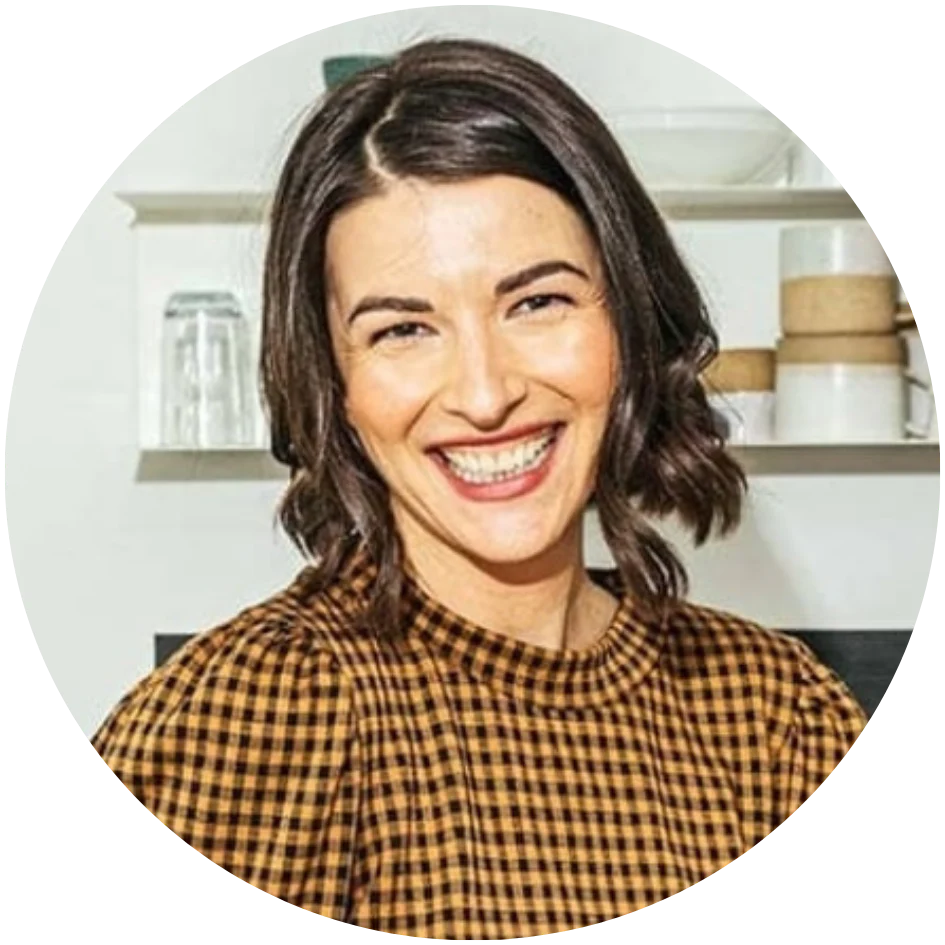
<point x="140" y="496"/>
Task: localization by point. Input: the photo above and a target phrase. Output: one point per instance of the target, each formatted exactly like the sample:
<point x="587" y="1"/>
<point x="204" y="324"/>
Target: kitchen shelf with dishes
<point x="199" y="257"/>
<point x="205" y="243"/>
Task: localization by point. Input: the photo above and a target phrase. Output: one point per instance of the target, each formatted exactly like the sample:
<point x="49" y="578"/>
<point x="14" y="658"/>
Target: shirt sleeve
<point x="245" y="745"/>
<point x="825" y="721"/>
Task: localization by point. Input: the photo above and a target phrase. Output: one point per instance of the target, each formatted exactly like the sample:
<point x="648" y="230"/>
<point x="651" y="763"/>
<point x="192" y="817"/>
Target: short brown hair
<point x="452" y="110"/>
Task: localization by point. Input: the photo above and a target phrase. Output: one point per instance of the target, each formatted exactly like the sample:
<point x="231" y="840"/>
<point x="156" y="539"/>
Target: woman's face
<point x="479" y="359"/>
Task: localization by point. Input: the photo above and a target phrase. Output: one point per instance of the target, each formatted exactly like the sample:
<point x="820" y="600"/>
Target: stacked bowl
<point x="739" y="383"/>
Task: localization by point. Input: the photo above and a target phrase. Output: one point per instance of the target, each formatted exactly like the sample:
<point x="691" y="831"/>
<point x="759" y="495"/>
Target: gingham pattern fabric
<point x="460" y="784"/>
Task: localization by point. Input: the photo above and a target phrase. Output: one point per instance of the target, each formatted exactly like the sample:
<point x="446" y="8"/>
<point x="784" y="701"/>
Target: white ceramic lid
<point x="832" y="249"/>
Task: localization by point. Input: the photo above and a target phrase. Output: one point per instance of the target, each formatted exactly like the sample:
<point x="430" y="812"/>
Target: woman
<point x="475" y="325"/>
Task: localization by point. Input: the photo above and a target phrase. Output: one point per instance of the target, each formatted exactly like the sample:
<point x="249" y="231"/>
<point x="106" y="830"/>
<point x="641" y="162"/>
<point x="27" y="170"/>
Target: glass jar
<point x="206" y="372"/>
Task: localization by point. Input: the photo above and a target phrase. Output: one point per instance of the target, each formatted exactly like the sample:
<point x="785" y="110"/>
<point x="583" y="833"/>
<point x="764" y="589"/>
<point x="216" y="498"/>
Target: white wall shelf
<point x="703" y="203"/>
<point x="812" y="459"/>
<point x="756" y="203"/>
<point x="772" y="446"/>
<point x="207" y="206"/>
<point x="760" y="459"/>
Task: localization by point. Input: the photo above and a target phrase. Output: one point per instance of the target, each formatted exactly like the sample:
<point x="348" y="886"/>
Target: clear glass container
<point x="205" y="401"/>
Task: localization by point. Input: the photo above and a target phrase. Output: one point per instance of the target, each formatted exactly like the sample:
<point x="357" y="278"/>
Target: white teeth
<point x="496" y="460"/>
<point x="481" y="466"/>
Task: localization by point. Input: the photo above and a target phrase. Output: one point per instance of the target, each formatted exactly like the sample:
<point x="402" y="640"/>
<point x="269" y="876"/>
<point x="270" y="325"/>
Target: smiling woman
<point x="476" y="325"/>
<point x="421" y="138"/>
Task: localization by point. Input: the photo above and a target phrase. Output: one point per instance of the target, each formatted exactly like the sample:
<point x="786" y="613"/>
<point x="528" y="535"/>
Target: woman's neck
<point x="549" y="602"/>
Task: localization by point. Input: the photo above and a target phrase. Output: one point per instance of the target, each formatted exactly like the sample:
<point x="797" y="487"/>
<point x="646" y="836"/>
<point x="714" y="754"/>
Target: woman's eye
<point x="537" y="303"/>
<point x="402" y="331"/>
<point x="407" y="331"/>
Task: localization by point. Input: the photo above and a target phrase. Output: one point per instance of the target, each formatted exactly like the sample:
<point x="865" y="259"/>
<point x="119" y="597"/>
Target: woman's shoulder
<point x="241" y="728"/>
<point x="702" y="641"/>
<point x="298" y="623"/>
<point x="710" y="635"/>
<point x="279" y="651"/>
<point x="734" y="658"/>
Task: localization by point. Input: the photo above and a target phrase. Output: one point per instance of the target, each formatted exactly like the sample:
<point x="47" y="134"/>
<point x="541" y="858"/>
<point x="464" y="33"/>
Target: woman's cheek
<point x="385" y="396"/>
<point x="580" y="359"/>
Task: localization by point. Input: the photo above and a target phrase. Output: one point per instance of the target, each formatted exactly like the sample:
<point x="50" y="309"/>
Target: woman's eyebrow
<point x="517" y="280"/>
<point x="520" y="279"/>
<point x="388" y="303"/>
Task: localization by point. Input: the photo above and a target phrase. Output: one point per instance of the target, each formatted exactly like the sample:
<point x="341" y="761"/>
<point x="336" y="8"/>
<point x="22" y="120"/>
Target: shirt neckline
<point x="618" y="660"/>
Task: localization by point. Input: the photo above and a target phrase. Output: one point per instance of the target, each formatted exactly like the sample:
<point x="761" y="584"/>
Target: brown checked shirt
<point x="461" y="784"/>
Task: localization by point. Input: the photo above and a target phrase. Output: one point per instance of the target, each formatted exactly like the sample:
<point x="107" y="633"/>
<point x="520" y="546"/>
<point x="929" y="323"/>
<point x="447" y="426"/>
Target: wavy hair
<point x="452" y="110"/>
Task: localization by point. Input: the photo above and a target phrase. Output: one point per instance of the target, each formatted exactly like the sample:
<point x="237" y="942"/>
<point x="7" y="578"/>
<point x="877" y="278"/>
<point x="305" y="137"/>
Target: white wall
<point x="107" y="554"/>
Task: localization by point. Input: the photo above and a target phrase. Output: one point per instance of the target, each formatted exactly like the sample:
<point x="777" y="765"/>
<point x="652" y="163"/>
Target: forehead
<point x="478" y="229"/>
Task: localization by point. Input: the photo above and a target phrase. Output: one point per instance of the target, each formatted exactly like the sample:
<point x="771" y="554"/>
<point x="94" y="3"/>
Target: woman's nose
<point x="484" y="384"/>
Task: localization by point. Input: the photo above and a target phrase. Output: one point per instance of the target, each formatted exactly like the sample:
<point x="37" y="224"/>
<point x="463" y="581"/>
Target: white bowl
<point x="704" y="147"/>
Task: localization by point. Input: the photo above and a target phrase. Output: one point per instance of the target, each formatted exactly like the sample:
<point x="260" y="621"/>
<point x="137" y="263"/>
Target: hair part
<point x="454" y="110"/>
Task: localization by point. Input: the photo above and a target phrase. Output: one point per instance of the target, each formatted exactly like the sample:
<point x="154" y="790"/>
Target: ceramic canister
<point x="922" y="420"/>
<point x="740" y="387"/>
<point x="839" y="389"/>
<point x="835" y="279"/>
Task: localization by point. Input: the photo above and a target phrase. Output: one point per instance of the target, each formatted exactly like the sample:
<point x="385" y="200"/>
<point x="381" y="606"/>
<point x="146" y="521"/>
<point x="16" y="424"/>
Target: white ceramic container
<point x="740" y="385"/>
<point x="691" y="147"/>
<point x="841" y="389"/>
<point x="748" y="415"/>
<point x="849" y="248"/>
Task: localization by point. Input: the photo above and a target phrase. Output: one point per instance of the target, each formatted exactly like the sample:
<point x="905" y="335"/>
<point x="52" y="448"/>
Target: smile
<point x="494" y="465"/>
<point x="491" y="473"/>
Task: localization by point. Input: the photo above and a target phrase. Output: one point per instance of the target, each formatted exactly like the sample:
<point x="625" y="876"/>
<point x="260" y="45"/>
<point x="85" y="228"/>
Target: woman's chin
<point x="506" y="546"/>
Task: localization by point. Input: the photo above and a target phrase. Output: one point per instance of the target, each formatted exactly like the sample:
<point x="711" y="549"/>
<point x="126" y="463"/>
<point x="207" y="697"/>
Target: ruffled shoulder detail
<point x="249" y="727"/>
<point x="826" y="720"/>
<point x="797" y="715"/>
<point x="775" y="671"/>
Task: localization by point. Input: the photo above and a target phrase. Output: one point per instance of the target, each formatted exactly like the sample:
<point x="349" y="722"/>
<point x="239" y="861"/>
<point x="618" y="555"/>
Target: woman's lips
<point x="536" y="434"/>
<point x="511" y="488"/>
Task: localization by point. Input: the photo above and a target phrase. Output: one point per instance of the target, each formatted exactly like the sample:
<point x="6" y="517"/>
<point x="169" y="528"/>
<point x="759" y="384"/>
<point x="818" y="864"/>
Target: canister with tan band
<point x="835" y="279"/>
<point x="839" y="389"/>
<point x="740" y="387"/>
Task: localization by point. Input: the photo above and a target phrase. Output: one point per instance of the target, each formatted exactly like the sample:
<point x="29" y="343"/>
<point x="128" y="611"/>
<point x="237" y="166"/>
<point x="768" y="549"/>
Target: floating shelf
<point x="811" y="459"/>
<point x="749" y="202"/>
<point x="773" y="445"/>
<point x="769" y="446"/>
<point x="756" y="203"/>
<point x="901" y="457"/>
<point x="204" y="206"/>
<point x="226" y="248"/>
